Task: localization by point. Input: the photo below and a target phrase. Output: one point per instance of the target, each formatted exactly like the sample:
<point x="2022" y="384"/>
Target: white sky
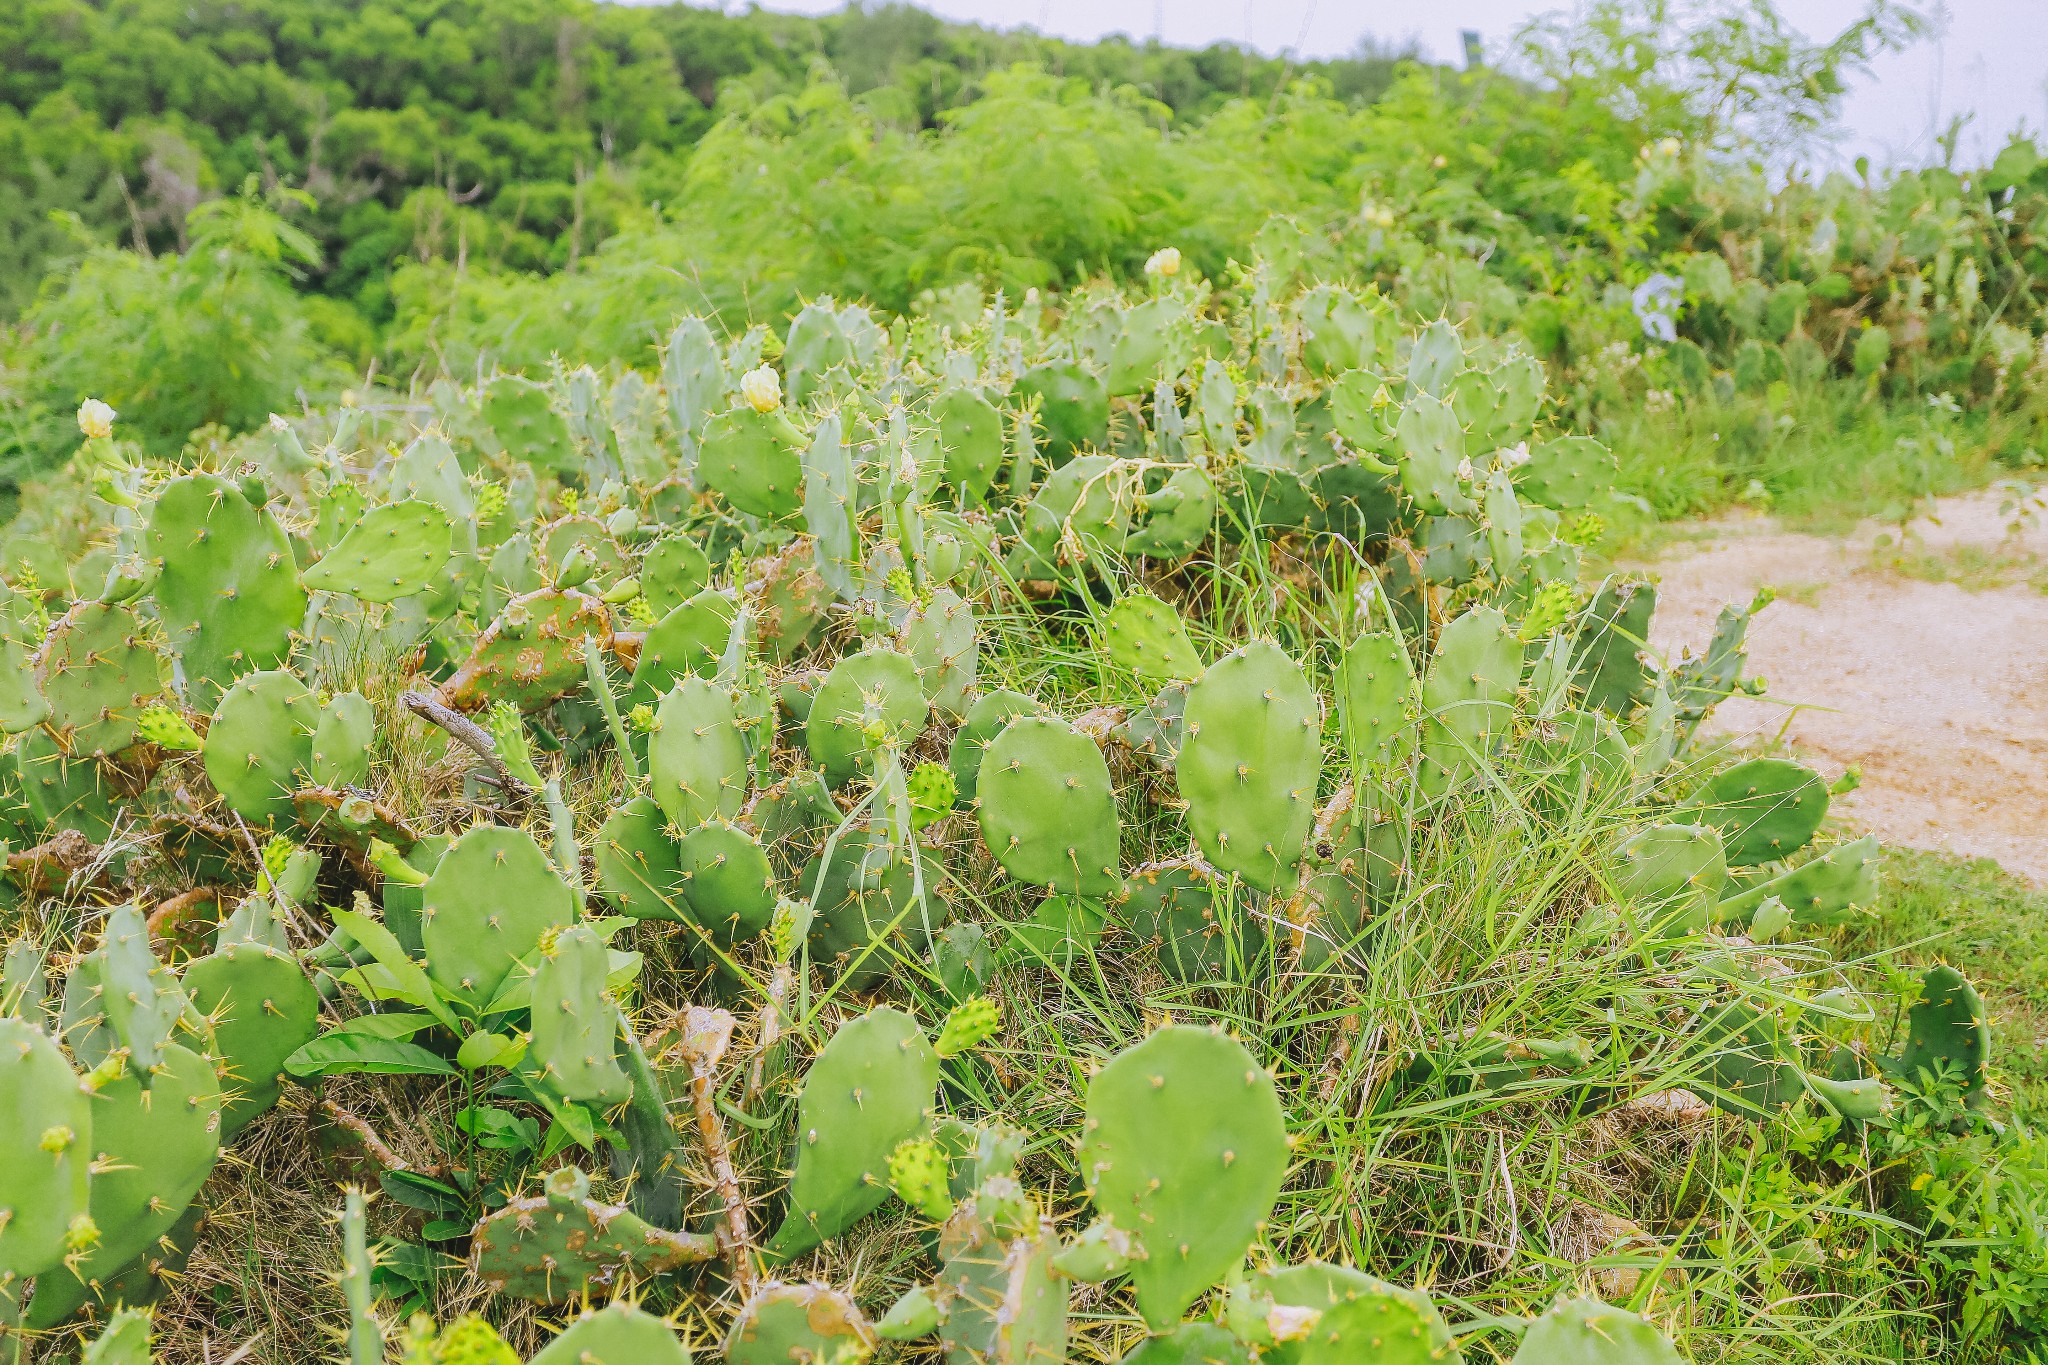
<point x="1993" y="61"/>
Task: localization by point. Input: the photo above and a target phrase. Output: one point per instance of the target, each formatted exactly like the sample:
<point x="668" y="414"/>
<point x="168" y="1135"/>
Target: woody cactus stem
<point x="470" y="736"/>
<point x="706" y="1032"/>
<point x="365" y="1336"/>
<point x="601" y="688"/>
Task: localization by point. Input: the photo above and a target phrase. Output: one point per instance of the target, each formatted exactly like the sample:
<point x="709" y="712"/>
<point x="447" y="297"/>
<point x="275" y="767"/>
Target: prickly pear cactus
<point x="521" y="417"/>
<point x="1249" y="763"/>
<point x="990" y="714"/>
<point x="227" y="588"/>
<point x="562" y="1243"/>
<point x="813" y="1323"/>
<point x="726" y="881"/>
<point x="46" y="1152"/>
<point x="1376" y="697"/>
<point x="939" y="638"/>
<point x="123" y="1341"/>
<point x="696" y="756"/>
<point x="393" y="551"/>
<point x="1047" y="810"/>
<point x="1467" y="697"/>
<point x="639" y="869"/>
<point x="1673" y="872"/>
<point x="1146" y="636"/>
<point x="754" y="460"/>
<point x="971" y="435"/>
<point x="1175" y="907"/>
<point x="1073" y="405"/>
<point x="532" y="654"/>
<point x="615" y="1335"/>
<point x="259" y="748"/>
<point x="575" y="1025"/>
<point x="1184" y="1148"/>
<point x="687" y="640"/>
<point x="484" y="909"/>
<point x="1766" y="809"/>
<point x="120" y="999"/>
<point x="1820" y="890"/>
<point x="340" y="755"/>
<point x="1946" y="1033"/>
<point x="871" y="698"/>
<point x="97" y="671"/>
<point x="1330" y="1314"/>
<point x="1588" y="1332"/>
<point x="262" y="1009"/>
<point x="868" y="1092"/>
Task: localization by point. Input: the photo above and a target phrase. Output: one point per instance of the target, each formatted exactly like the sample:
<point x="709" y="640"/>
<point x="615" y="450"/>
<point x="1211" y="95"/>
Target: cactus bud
<point x="57" y="1140"/>
<point x="933" y="790"/>
<point x="1163" y="263"/>
<point x="577" y="568"/>
<point x="393" y="866"/>
<point x="622" y="592"/>
<point x="167" y="729"/>
<point x="643" y="719"/>
<point x="1588" y="529"/>
<point x="973" y="1022"/>
<point x="82" y="1235"/>
<point x="762" y="389"/>
<point x="791" y="923"/>
<point x="96" y="419"/>
<point x="917" y="1313"/>
<point x="917" y="1172"/>
<point x="1550" y="607"/>
<point x="1102" y="1252"/>
<point x="1850" y="780"/>
<point x="622" y="523"/>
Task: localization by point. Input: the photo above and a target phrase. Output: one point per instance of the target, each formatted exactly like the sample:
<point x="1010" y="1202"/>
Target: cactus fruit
<point x="393" y="551"/>
<point x="813" y="1324"/>
<point x="575" y="1025"/>
<point x="468" y="1340"/>
<point x="868" y="700"/>
<point x="562" y="1243"/>
<point x="532" y="654"/>
<point x="1047" y="810"/>
<point x="868" y="1092"/>
<point x="1375" y="697"/>
<point x="1184" y="1148"/>
<point x="152" y="1150"/>
<point x="696" y="755"/>
<point x="119" y="998"/>
<point x="1249" y="763"/>
<point x="1766" y="809"/>
<point x="688" y="640"/>
<point x="754" y="460"/>
<point x="1145" y="635"/>
<point x="484" y="909"/>
<point x="1818" y="891"/>
<point x="97" y="672"/>
<point x="1946" y="1032"/>
<point x="1674" y="872"/>
<point x="260" y="746"/>
<point x="1588" y="1332"/>
<point x="46" y="1152"/>
<point x="986" y="719"/>
<point x="940" y="640"/>
<point x="228" y="589"/>
<point x="1467" y="697"/>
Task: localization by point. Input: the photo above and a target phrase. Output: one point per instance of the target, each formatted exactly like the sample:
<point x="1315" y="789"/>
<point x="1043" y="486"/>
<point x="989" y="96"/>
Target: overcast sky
<point x="1993" y="61"/>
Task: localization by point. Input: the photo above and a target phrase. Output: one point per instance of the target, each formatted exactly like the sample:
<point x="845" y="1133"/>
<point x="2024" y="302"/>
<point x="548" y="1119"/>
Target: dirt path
<point x="1937" y="690"/>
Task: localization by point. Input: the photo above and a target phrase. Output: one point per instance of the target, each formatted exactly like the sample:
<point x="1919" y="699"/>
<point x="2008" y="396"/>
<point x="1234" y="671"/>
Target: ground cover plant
<point x="1118" y="827"/>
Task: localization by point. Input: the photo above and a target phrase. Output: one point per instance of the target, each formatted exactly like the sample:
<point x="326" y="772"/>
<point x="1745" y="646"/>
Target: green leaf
<point x="337" y="1053"/>
<point x="409" y="976"/>
<point x="399" y="1026"/>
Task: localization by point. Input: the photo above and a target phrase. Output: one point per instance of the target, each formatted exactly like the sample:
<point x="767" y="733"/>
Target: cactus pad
<point x="522" y="417"/>
<point x="97" y="671"/>
<point x="687" y="641"/>
<point x="1360" y="1318"/>
<point x="562" y="1243"/>
<point x="260" y="745"/>
<point x="1047" y="810"/>
<point x="673" y="571"/>
<point x="1376" y="697"/>
<point x="46" y="1152"/>
<point x="1588" y="1332"/>
<point x="263" y="1009"/>
<point x="485" y="907"/>
<point x="799" y="1324"/>
<point x="875" y="694"/>
<point x="868" y="1092"/>
<point x="1249" y="763"/>
<point x="1184" y="1148"/>
<point x="1674" y="872"/>
<point x="1173" y="906"/>
<point x="1467" y="696"/>
<point x="754" y="459"/>
<point x="986" y="719"/>
<point x="119" y="997"/>
<point x="574" y="1023"/>
<point x="228" y="590"/>
<point x="939" y="638"/>
<point x="1073" y="405"/>
<point x="1946" y="1031"/>
<point x="1766" y="809"/>
<point x="696" y="755"/>
<point x="638" y="868"/>
<point x="1145" y="635"/>
<point x="532" y="654"/>
<point x="726" y="881"/>
<point x="394" y="551"/>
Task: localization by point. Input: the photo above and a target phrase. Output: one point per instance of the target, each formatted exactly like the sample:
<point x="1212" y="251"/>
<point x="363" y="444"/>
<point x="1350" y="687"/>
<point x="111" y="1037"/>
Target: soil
<point x="1938" y="692"/>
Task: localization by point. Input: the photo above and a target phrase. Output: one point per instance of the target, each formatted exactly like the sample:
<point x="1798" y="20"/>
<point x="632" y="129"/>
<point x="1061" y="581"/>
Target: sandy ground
<point x="1938" y="693"/>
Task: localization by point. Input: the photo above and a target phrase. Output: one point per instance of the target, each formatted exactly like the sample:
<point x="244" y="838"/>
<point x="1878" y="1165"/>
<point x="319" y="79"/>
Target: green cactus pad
<point x="1338" y="332"/>
<point x="971" y="435"/>
<point x="1766" y="809"/>
<point x="1173" y="907"/>
<point x="532" y="654"/>
<point x="260" y="746"/>
<point x="1376" y="697"/>
<point x="672" y="572"/>
<point x="789" y="815"/>
<point x="118" y="996"/>
<point x="1005" y="1303"/>
<point x="792" y="599"/>
<point x="575" y="1025"/>
<point x="1432" y="446"/>
<point x="1080" y="516"/>
<point x="1571" y="471"/>
<point x="799" y="1324"/>
<point x="341" y="741"/>
<point x="1157" y="729"/>
<point x="522" y="417"/>
<point x="1184" y="1148"/>
<point x="1946" y="1031"/>
<point x="1588" y="1332"/>
<point x="1145" y="635"/>
<point x="726" y="881"/>
<point x="485" y="907"/>
<point x="394" y="551"/>
<point x="61" y="791"/>
<point x="986" y="718"/>
<point x="876" y="686"/>
<point x="123" y="1341"/>
<point x="152" y="1149"/>
<point x="939" y="638"/>
<point x="638" y="868"/>
<point x="46" y="1150"/>
<point x="868" y="1092"/>
<point x="1048" y="813"/>
<point x="1673" y="872"/>
<point x="1173" y="519"/>
<point x="1467" y="696"/>
<point x="755" y="459"/>
<point x="867" y="900"/>
<point x="263" y="1009"/>
<point x="686" y="642"/>
<point x="1073" y="406"/>
<point x="97" y="671"/>
<point x="1249" y="763"/>
<point x="21" y="701"/>
<point x="1191" y="1343"/>
<point x="1820" y="890"/>
<point x="617" y="1334"/>
<point x="1363" y="1318"/>
<point x="557" y="1245"/>
<point x="1582" y="756"/>
<point x="696" y="755"/>
<point x="1750" y="1059"/>
<point x="228" y="589"/>
<point x="1611" y="670"/>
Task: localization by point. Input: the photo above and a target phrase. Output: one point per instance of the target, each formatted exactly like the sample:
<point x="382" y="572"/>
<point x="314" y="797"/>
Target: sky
<point x="1991" y="62"/>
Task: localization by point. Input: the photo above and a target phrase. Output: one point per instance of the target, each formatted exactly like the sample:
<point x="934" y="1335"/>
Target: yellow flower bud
<point x="96" y="419"/>
<point x="762" y="389"/>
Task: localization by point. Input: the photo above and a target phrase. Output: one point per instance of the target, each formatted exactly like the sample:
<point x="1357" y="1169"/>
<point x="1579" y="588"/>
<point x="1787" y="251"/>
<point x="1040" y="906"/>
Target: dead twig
<point x="470" y="736"/>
